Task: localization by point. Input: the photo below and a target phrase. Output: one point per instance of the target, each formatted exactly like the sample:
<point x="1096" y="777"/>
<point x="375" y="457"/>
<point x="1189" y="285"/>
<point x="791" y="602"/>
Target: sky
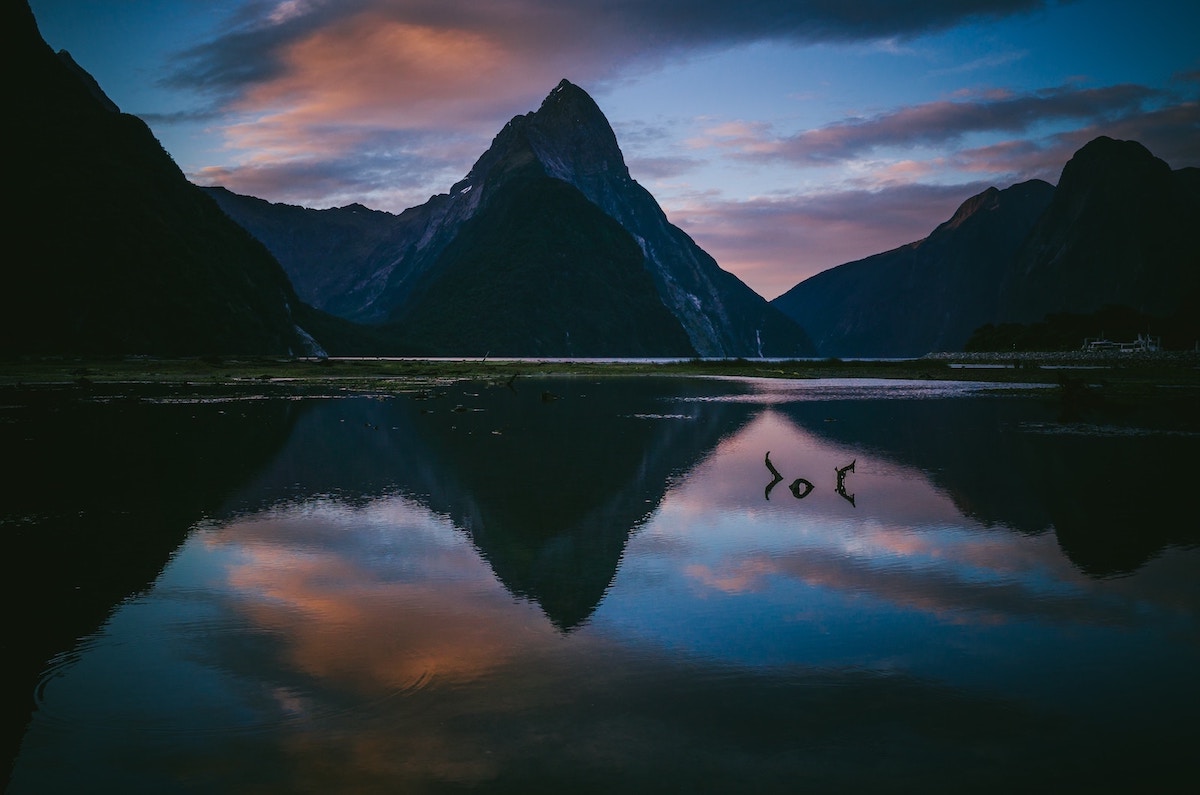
<point x="785" y="137"/>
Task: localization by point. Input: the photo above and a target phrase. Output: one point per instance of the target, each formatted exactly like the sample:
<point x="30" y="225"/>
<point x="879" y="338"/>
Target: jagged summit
<point x="568" y="97"/>
<point x="980" y="202"/>
<point x="573" y="138"/>
<point x="564" y="88"/>
<point x="993" y="199"/>
<point x="568" y="136"/>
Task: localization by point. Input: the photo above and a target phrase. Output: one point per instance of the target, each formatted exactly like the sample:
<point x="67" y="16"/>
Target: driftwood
<point x="802" y="487"/>
<point x="777" y="478"/>
<point x="795" y="487"/>
<point x="841" y="480"/>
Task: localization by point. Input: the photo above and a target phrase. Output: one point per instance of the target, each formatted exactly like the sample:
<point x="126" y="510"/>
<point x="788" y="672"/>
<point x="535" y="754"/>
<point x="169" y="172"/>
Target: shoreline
<point x="1111" y="358"/>
<point x="28" y="377"/>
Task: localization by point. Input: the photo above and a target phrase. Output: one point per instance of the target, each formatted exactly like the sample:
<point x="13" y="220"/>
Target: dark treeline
<point x="1066" y="331"/>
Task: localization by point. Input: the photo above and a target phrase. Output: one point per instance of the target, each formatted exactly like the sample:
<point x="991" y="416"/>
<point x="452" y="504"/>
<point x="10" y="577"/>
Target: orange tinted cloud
<point x="337" y="615"/>
<point x="341" y="84"/>
<point x="371" y="70"/>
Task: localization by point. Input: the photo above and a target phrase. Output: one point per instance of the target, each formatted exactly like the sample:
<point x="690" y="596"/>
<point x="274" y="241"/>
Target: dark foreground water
<point x="581" y="585"/>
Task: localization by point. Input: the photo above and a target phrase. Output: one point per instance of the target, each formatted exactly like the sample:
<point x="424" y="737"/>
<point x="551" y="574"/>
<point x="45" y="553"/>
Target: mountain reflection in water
<point x="484" y="589"/>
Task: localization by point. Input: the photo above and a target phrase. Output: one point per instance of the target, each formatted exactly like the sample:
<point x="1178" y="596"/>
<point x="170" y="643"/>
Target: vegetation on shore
<point x="279" y="376"/>
<point x="1064" y="331"/>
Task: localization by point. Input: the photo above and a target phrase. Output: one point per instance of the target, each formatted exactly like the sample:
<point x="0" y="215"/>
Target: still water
<point x="599" y="585"/>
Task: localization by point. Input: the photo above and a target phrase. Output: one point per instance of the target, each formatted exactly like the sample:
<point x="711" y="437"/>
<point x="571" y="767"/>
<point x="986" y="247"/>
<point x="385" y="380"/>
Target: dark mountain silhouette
<point x="543" y="272"/>
<point x="105" y="492"/>
<point x="548" y="491"/>
<point x="1122" y="229"/>
<point x="1119" y="230"/>
<point x="326" y="253"/>
<point x="399" y="263"/>
<point x="924" y="296"/>
<point x="1091" y="490"/>
<point x="113" y="250"/>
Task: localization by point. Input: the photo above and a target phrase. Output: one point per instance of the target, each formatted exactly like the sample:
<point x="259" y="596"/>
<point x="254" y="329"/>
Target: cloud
<point x="259" y="38"/>
<point x="205" y="114"/>
<point x="425" y="64"/>
<point x="945" y="592"/>
<point x="661" y="167"/>
<point x="989" y="61"/>
<point x="376" y="100"/>
<point x="931" y="124"/>
<point x="774" y="243"/>
<point x="386" y="169"/>
<point x="1171" y="133"/>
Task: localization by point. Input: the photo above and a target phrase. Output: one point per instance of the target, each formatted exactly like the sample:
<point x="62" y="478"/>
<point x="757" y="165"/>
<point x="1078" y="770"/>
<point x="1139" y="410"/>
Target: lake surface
<point x="599" y="585"/>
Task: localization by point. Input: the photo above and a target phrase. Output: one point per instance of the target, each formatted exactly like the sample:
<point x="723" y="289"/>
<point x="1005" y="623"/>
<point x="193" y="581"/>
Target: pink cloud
<point x="375" y="100"/>
<point x="940" y="123"/>
<point x="773" y="244"/>
<point x="304" y="76"/>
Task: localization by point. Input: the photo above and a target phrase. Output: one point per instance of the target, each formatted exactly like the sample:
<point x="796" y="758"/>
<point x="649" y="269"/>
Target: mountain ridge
<point x="1118" y="230"/>
<point x="567" y="138"/>
<point x="1119" y="219"/>
<point x="925" y="295"/>
<point x="153" y="264"/>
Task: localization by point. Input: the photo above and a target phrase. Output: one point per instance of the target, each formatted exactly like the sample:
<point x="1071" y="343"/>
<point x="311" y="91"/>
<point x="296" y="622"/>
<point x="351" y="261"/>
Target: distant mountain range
<point x="1121" y="229"/>
<point x="547" y="247"/>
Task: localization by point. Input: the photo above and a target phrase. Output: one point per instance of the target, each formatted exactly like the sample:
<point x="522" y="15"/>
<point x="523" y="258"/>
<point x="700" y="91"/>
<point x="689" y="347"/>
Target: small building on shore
<point x="1144" y="343"/>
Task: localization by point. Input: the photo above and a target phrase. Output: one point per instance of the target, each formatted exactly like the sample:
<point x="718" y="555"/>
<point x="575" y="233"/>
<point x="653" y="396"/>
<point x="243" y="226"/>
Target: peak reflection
<point x="548" y="491"/>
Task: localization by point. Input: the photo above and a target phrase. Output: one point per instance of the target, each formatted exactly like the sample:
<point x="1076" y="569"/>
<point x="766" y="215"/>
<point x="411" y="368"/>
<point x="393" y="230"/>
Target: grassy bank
<point x="128" y="375"/>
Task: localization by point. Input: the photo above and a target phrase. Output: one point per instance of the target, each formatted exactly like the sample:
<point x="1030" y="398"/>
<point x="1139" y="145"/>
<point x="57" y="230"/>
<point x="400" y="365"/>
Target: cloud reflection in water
<point x="322" y="643"/>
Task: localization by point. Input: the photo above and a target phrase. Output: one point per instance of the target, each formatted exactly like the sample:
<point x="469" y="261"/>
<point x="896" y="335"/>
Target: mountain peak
<point x="1107" y="160"/>
<point x="567" y="95"/>
<point x="568" y="138"/>
<point x="564" y="86"/>
<point x="1121" y="229"/>
<point x="977" y="203"/>
<point x="1034" y="191"/>
<point x="1103" y="146"/>
<point x="571" y="136"/>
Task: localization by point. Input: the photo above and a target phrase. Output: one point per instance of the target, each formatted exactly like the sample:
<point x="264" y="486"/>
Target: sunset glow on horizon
<point x="785" y="138"/>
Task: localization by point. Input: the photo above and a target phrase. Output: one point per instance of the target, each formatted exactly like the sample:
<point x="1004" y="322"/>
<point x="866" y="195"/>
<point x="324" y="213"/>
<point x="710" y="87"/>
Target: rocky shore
<point x="1108" y="358"/>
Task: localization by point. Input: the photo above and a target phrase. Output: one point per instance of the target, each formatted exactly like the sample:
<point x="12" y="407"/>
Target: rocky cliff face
<point x="925" y="296"/>
<point x="112" y="250"/>
<point x="569" y="140"/>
